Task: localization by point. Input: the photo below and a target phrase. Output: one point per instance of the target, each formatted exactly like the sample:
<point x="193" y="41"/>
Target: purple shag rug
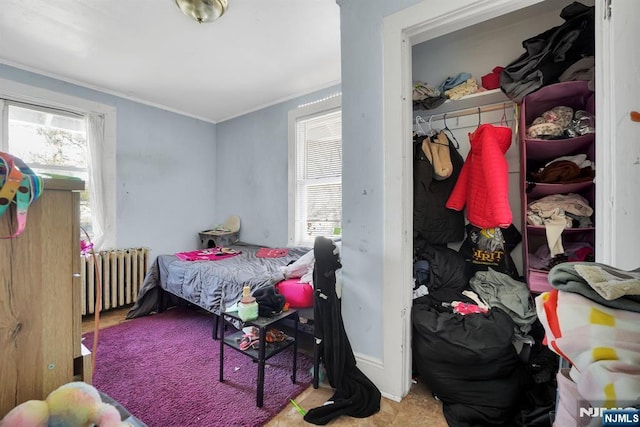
<point x="164" y="369"/>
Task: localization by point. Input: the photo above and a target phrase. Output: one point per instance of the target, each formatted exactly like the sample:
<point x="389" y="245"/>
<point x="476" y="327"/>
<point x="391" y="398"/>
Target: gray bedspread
<point x="211" y="285"/>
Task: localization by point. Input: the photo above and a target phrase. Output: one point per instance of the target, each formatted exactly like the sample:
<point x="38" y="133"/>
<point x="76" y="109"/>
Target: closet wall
<point x="477" y="50"/>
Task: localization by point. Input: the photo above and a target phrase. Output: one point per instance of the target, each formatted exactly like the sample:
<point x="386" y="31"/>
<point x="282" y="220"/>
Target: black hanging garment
<point x="432" y="221"/>
<point x="355" y="395"/>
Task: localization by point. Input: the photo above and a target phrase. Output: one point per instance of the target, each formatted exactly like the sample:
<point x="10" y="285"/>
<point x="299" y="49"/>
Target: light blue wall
<point x="164" y="173"/>
<point x="363" y="159"/>
<point x="251" y="171"/>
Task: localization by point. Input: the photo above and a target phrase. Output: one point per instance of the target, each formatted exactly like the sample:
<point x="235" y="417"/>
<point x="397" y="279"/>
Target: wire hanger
<point x="446" y="129"/>
<point x="503" y="119"/>
<point x="419" y="122"/>
<point x="479" y="117"/>
<point x="431" y="131"/>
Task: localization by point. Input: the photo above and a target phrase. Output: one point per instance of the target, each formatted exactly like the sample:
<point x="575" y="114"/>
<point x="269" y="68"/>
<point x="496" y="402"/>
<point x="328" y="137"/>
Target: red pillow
<point x="298" y="295"/>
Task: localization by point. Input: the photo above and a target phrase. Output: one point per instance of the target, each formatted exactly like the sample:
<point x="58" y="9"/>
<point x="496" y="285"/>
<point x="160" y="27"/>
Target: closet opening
<point x="431" y="44"/>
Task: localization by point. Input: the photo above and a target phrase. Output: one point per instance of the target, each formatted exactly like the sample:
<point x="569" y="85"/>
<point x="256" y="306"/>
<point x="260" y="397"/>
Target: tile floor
<point x="418" y="408"/>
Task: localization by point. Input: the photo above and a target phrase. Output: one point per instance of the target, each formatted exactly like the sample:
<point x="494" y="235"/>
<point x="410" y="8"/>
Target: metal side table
<point x="265" y="350"/>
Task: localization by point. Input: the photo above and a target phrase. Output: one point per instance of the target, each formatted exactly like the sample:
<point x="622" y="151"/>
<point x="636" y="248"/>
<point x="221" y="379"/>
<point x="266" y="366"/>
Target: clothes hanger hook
<point x="503" y="119"/>
<point x="479" y="117"/>
<point x="419" y="121"/>
<point x="446" y="128"/>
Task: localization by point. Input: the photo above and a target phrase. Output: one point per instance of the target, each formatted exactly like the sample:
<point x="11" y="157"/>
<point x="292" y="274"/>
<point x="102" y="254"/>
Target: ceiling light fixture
<point x="203" y="10"/>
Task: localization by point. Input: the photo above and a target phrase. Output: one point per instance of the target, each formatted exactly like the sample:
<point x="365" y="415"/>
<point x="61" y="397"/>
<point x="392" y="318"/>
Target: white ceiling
<point x="258" y="53"/>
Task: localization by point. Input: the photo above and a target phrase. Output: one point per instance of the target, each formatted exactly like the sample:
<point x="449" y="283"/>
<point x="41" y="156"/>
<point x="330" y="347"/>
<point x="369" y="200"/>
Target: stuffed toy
<point x="75" y="404"/>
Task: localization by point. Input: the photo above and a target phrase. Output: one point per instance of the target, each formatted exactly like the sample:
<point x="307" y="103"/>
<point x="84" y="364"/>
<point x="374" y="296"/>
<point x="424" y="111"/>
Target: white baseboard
<point x="374" y="370"/>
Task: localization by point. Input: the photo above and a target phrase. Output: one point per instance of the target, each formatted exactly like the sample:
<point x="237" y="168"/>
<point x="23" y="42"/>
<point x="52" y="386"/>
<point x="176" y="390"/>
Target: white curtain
<point x="102" y="230"/>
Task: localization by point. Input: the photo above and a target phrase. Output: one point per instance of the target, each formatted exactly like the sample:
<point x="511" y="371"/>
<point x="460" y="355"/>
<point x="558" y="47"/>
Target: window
<point x="57" y="134"/>
<point x="315" y="171"/>
<point x="52" y="142"/>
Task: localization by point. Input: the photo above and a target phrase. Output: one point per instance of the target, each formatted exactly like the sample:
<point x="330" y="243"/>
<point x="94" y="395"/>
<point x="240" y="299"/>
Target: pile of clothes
<point x="427" y="97"/>
<point x="541" y="259"/>
<point x="591" y="320"/>
<point x="472" y="341"/>
<point x="559" y="211"/>
<point x="561" y="122"/>
<point x="565" y="170"/>
<point x="558" y="54"/>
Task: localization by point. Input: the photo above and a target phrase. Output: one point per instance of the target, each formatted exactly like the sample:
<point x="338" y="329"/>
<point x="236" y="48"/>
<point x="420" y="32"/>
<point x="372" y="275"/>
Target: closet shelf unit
<point x="475" y="100"/>
<point x="537" y="152"/>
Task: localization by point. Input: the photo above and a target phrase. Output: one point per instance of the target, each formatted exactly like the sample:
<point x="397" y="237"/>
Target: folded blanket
<point x="272" y="253"/>
<point x="602" y="344"/>
<point x="609" y="282"/>
<point x="565" y="278"/>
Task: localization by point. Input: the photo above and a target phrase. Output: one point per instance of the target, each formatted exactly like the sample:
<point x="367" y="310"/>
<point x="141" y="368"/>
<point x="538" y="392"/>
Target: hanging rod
<point x="468" y="111"/>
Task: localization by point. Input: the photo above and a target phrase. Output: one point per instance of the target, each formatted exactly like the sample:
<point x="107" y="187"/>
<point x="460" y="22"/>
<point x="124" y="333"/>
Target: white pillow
<point x="302" y="267"/>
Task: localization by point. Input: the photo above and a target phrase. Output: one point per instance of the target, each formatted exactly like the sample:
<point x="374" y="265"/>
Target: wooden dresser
<point x="40" y="320"/>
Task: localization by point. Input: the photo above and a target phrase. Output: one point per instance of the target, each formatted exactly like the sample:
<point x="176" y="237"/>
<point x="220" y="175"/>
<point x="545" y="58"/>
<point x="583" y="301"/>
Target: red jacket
<point x="483" y="184"/>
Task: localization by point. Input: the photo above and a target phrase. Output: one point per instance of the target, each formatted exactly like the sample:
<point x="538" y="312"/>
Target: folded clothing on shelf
<point x="561" y="122"/>
<point x="492" y="80"/>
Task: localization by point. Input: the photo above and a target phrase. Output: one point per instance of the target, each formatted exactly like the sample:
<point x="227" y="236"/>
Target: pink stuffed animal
<point x="75" y="404"/>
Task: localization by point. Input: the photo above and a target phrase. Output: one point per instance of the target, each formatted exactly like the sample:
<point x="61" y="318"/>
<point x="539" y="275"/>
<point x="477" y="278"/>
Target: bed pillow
<point x="298" y="295"/>
<point x="302" y="267"/>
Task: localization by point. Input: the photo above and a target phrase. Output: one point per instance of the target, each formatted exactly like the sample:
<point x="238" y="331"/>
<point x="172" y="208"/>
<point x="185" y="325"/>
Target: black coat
<point x="355" y="395"/>
<point x="432" y="221"/>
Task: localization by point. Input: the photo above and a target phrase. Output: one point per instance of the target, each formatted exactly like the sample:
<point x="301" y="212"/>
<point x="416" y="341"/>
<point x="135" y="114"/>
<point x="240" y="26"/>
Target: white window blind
<point x="318" y="191"/>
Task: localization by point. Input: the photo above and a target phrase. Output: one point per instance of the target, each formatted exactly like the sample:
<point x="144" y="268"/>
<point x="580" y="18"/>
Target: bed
<point x="210" y="285"/>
